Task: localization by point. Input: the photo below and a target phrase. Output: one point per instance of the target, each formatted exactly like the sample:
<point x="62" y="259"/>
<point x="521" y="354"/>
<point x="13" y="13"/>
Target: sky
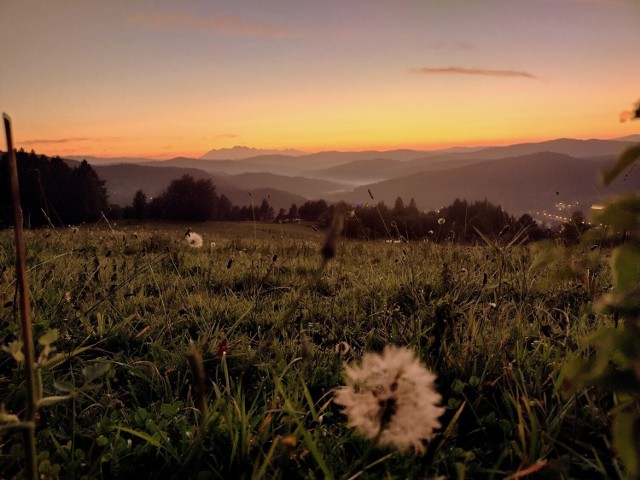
<point x="161" y="79"/>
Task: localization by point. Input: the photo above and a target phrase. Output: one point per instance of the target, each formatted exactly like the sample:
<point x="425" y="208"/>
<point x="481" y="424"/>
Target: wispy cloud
<point x="54" y="141"/>
<point x="471" y="71"/>
<point x="225" y="135"/>
<point x="229" y="25"/>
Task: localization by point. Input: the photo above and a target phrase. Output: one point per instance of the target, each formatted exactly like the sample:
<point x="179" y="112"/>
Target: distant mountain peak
<point x="241" y="152"/>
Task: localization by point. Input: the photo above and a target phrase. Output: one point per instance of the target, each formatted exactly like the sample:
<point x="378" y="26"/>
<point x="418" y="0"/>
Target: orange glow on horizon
<point x="157" y="154"/>
<point x="160" y="81"/>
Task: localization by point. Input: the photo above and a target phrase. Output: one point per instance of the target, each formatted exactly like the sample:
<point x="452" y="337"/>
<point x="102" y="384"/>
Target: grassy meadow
<point x="125" y="304"/>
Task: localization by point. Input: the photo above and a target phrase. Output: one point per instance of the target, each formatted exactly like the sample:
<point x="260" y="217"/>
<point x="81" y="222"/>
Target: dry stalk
<point x="25" y="311"/>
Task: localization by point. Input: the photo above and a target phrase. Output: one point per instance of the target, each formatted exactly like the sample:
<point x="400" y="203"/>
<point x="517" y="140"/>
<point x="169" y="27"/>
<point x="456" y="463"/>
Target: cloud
<point x="53" y="141"/>
<point x="42" y="141"/>
<point x="229" y="25"/>
<point x="225" y="135"/>
<point x="471" y="71"/>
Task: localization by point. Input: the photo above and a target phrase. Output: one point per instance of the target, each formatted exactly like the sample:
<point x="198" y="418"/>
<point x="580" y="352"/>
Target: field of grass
<point x="130" y="302"/>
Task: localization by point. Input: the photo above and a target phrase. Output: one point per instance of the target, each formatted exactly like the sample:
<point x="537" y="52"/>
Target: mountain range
<point x="522" y="178"/>
<point x="240" y="152"/>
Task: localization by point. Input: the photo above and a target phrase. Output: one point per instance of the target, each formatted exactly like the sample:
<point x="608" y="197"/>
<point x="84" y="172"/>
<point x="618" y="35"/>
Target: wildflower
<point x="193" y="239"/>
<point x="441" y="221"/>
<point x="391" y="399"/>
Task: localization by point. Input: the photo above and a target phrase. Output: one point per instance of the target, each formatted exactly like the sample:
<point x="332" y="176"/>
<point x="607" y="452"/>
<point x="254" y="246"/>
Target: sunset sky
<point x="161" y="79"/>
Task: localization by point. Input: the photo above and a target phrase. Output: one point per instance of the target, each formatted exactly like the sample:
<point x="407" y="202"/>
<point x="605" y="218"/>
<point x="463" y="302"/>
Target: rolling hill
<point x="520" y="185"/>
<point x="307" y="187"/>
<point x="567" y="146"/>
<point x="522" y="177"/>
<point x="366" y="171"/>
<point x="361" y="171"/>
<point x="123" y="181"/>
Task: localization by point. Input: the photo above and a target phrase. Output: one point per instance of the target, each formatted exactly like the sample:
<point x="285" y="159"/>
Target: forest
<point x="54" y="193"/>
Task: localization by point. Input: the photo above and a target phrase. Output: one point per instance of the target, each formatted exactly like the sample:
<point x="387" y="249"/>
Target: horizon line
<point x="449" y="146"/>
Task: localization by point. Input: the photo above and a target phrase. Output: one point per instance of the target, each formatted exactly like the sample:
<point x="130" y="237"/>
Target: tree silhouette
<point x="51" y="191"/>
<point x="293" y="212"/>
<point x="140" y="205"/>
<point x="186" y="199"/>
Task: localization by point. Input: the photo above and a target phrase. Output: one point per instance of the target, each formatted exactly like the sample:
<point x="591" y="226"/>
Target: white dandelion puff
<point x="441" y="221"/>
<point x="193" y="239"/>
<point x="391" y="399"/>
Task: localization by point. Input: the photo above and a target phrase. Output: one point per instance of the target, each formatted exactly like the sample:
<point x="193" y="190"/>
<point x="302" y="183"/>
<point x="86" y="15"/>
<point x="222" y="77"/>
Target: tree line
<point x="194" y="200"/>
<point x="54" y="193"/>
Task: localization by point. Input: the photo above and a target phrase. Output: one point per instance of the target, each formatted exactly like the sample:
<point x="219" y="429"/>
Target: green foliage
<point x="626" y="160"/>
<point x="610" y="358"/>
<point x="116" y="311"/>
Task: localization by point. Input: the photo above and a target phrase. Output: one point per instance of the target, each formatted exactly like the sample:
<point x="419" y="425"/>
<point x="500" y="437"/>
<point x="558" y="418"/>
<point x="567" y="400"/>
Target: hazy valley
<point x="522" y="178"/>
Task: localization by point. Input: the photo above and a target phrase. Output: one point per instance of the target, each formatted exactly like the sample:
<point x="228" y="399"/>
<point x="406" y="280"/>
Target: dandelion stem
<point x="371" y="465"/>
<point x="25" y="310"/>
<point x="374" y="443"/>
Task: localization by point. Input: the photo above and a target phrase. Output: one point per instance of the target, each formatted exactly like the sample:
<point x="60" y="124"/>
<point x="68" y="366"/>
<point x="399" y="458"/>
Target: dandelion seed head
<point x="193" y="239"/>
<point x="391" y="397"/>
<point x="441" y="221"/>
